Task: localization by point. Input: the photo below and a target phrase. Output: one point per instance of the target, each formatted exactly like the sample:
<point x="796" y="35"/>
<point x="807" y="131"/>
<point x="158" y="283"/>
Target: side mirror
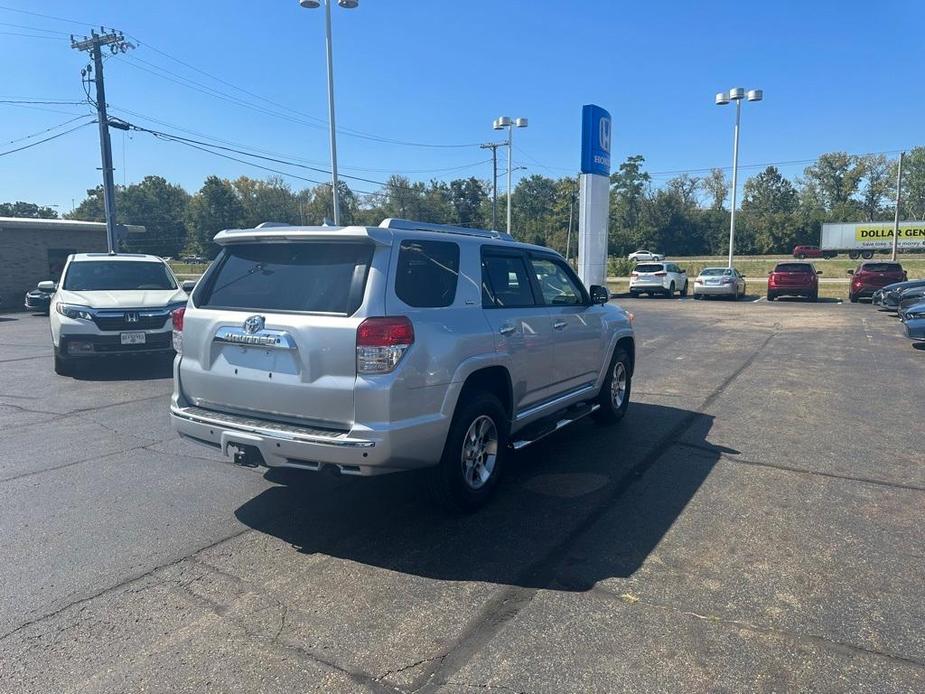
<point x="188" y="286"/>
<point x="599" y="294"/>
<point x="818" y="272"/>
<point x="47" y="286"/>
<point x="850" y="272"/>
<point x="682" y="270"/>
<point x="742" y="276"/>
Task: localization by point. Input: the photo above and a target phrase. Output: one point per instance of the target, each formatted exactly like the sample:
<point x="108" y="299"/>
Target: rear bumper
<point x="714" y="289"/>
<point x="362" y="451"/>
<point x="792" y="291"/>
<point x="647" y="287"/>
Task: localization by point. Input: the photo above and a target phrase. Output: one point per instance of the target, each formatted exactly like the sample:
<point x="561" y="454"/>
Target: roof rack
<point x="410" y="225"/>
<point x="268" y="225"/>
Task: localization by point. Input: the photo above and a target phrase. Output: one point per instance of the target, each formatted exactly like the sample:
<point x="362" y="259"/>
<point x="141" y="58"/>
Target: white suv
<point x="108" y="304"/>
<point x="658" y="278"/>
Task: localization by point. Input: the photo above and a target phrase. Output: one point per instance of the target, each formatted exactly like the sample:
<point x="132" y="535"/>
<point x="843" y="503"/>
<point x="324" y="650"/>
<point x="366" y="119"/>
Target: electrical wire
<point x="47" y="139"/>
<point x="47" y="130"/>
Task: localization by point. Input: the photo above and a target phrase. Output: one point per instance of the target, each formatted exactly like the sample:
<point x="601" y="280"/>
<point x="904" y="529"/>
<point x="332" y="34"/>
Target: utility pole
<point x="899" y="195"/>
<point x="493" y="146"/>
<point x="93" y="45"/>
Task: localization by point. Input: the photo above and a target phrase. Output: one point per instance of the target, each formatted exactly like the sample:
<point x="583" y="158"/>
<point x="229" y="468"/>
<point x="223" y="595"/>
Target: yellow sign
<point x="884" y="232"/>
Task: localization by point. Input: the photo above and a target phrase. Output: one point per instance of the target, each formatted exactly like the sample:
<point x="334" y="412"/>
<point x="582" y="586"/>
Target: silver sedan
<point x="719" y="281"/>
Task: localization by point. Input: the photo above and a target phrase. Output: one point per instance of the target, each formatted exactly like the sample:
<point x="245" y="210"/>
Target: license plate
<point x="133" y="338"/>
<point x="712" y="281"/>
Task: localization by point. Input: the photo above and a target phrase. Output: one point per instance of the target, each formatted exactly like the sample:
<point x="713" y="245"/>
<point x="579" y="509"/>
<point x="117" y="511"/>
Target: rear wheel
<point x="867" y="255"/>
<point x="614" y="397"/>
<point x="802" y="256"/>
<point x="853" y="298"/>
<point x="684" y="290"/>
<point x="771" y="296"/>
<point x="472" y="458"/>
<point x="634" y="295"/>
<point x="814" y="296"/>
<point x="854" y="255"/>
<point x="670" y="291"/>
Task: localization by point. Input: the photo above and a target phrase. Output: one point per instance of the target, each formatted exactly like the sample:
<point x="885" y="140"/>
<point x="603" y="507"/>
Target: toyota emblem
<point x="254" y="324"/>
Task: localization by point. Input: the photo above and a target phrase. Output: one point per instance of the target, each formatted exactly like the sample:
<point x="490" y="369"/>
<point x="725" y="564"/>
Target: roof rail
<point x="410" y="225"/>
<point x="267" y="225"/>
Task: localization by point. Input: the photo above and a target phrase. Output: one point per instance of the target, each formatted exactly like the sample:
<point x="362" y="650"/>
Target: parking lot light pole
<point x="312" y="5"/>
<point x="899" y="197"/>
<point x="509" y="123"/>
<point x="722" y="98"/>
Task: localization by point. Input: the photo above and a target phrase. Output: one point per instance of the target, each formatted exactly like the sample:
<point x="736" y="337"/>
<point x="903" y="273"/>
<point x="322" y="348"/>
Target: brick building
<point x="32" y="250"/>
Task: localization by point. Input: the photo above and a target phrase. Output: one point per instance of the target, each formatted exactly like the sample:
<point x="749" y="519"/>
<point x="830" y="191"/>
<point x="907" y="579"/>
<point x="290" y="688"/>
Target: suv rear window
<point x="649" y="267"/>
<point x="427" y="273"/>
<point x="882" y="267"/>
<point x="314" y="277"/>
<point x="793" y="267"/>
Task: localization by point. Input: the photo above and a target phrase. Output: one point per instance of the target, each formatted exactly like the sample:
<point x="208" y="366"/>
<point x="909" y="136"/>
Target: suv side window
<point x="556" y="284"/>
<point x="505" y="282"/>
<point x="427" y="273"/>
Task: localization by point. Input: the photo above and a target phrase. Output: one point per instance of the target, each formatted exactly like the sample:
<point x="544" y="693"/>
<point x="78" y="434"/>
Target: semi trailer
<point x="863" y="239"/>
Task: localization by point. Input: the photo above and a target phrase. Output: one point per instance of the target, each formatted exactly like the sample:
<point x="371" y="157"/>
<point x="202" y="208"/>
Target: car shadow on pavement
<point x="623" y="486"/>
<point x="123" y="369"/>
<point x="800" y="300"/>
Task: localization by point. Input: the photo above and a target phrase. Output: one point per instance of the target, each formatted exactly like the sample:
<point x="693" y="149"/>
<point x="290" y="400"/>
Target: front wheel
<point x="614" y="398"/>
<point x="472" y="458"/>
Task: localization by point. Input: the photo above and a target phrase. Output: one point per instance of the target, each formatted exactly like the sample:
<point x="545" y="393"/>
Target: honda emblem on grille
<point x="254" y="324"/>
<point x="131" y="316"/>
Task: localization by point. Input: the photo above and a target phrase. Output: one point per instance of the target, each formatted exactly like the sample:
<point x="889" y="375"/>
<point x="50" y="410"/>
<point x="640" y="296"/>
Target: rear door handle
<point x="507" y="329"/>
<point x="559" y="325"/>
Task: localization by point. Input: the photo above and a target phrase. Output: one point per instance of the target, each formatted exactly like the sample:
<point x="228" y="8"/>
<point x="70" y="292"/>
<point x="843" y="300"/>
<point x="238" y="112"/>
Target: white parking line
<point x="760" y="298"/>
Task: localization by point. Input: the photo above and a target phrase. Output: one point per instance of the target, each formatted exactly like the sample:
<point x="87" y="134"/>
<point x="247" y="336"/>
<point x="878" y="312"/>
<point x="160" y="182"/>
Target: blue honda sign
<point x="595" y="140"/>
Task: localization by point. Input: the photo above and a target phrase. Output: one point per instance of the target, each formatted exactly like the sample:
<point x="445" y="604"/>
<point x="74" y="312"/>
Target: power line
<point x="30" y="36"/>
<point x="45" y="16"/>
<point x="47" y="139"/>
<point x="48" y="130"/>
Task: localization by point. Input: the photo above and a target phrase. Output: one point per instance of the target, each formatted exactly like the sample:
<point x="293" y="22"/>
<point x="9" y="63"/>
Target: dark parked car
<point x="871" y="276"/>
<point x="794" y="279"/>
<point x="38" y="299"/>
<point x="888" y="296"/>
<point x="914" y="321"/>
<point x="909" y="298"/>
<point x="807" y="252"/>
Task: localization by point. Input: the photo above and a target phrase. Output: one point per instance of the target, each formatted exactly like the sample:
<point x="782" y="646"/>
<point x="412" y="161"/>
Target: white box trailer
<point x="862" y="239"/>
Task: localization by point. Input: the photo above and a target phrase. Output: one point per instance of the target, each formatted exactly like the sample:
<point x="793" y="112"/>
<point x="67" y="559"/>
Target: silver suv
<point x="368" y="350"/>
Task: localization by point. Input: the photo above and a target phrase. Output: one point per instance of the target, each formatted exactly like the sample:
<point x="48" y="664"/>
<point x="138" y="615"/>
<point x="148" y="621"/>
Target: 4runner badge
<point x="254" y="324"/>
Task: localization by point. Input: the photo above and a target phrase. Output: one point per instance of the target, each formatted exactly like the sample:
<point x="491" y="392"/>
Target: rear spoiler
<point x="293" y="234"/>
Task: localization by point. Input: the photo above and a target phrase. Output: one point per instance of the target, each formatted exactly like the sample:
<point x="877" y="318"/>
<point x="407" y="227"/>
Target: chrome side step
<point x="561" y="423"/>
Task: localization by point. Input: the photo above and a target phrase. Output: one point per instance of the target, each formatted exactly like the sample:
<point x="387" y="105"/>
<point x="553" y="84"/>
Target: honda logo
<point x="604" y="134"/>
<point x="131" y="317"/>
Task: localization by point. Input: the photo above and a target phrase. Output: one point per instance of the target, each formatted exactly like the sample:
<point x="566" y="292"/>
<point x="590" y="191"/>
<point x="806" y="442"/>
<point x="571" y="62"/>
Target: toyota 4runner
<point x="367" y="350"/>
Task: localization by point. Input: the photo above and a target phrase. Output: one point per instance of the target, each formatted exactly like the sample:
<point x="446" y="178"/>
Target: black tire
<point x="802" y="256"/>
<point x="63" y="366"/>
<point x="771" y="296"/>
<point x="609" y="411"/>
<point x="814" y="296"/>
<point x="853" y="298"/>
<point x="867" y="255"/>
<point x="684" y="291"/>
<point x="854" y="255"/>
<point x="634" y="295"/>
<point x="697" y="297"/>
<point x="450" y="487"/>
<point x="670" y="291"/>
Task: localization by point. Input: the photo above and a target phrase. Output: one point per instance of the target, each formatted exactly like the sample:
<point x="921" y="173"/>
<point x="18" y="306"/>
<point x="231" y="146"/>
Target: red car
<point x="794" y="279"/>
<point x="869" y="277"/>
<point x="807" y="252"/>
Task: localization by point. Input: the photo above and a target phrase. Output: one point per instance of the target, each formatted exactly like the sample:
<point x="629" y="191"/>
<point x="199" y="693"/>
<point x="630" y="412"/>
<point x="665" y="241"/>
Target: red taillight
<point x="176" y="317"/>
<point x="385" y="332"/>
<point x="381" y="343"/>
<point x="661" y="274"/>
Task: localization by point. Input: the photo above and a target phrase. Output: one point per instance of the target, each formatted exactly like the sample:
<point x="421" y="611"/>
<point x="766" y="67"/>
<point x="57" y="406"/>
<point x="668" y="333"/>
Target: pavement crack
<point x="817" y="639"/>
<point x="415" y="664"/>
<point x="798" y="470"/>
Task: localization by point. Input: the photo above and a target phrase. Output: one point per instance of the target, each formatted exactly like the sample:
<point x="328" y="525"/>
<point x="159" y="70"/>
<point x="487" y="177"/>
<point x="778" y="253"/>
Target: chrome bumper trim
<point x="286" y="432"/>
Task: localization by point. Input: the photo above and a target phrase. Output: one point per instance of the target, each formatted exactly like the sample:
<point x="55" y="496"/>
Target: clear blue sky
<point x="837" y="76"/>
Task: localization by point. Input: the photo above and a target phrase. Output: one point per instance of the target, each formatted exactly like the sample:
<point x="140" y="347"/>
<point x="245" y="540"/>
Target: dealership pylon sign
<point x="594" y="195"/>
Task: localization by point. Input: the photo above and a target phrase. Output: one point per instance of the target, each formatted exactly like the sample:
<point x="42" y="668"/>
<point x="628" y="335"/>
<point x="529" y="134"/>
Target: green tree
<point x="266" y="201"/>
<point x="629" y="185"/>
<point x="468" y="196"/>
<point x="26" y="209"/>
<point x="876" y="185"/>
<point x="215" y="207"/>
<point x="769" y="193"/>
<point x="533" y="203"/>
<point x="716" y="188"/>
<point x="161" y="208"/>
<point x="913" y="190"/>
<point x="91" y="208"/>
<point x="833" y="182"/>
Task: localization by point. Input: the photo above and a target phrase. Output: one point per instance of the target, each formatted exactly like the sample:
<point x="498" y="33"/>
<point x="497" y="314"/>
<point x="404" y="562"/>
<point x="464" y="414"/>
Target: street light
<point x="313" y="5"/>
<point x="509" y="123"/>
<point x="722" y="98"/>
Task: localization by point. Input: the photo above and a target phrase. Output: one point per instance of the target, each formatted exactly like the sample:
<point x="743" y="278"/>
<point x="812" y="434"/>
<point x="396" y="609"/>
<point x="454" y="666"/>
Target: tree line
<point x="687" y="215"/>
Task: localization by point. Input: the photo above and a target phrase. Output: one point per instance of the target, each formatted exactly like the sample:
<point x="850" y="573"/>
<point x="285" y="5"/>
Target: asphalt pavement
<point x="754" y="524"/>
